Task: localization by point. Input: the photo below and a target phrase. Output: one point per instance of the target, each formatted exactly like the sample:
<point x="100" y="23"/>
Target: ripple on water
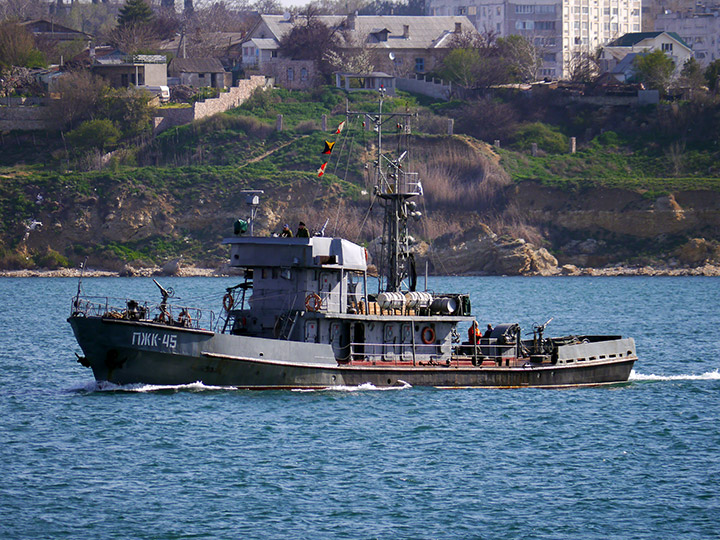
<point x="635" y="461"/>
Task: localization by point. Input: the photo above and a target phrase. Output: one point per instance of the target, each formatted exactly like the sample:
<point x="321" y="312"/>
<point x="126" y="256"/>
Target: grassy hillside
<point x="179" y="193"/>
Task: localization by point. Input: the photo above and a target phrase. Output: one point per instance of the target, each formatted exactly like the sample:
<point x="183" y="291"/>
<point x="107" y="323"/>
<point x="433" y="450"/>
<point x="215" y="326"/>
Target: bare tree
<point x="584" y="66"/>
<point x="80" y="92"/>
<point x="133" y="38"/>
<point x="267" y="7"/>
<point x="204" y="31"/>
<point x="20" y="10"/>
<point x="522" y="57"/>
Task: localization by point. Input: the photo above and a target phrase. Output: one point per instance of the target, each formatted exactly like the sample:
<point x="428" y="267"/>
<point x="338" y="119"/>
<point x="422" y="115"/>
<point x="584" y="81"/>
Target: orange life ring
<point x="427" y="335"/>
<point x="228" y="302"/>
<point x="313" y="302"/>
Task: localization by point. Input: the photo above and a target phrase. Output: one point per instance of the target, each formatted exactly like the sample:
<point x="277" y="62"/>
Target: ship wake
<point x="708" y="376"/>
<point x="367" y="387"/>
<point x="104" y="386"/>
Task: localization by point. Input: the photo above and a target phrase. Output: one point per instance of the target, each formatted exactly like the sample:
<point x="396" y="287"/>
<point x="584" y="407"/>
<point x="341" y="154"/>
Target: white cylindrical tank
<point x="391" y="300"/>
<point x="418" y="299"/>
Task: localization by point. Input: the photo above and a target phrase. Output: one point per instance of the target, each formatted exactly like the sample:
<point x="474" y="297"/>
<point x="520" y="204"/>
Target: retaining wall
<point x="435" y="88"/>
<point x="24" y="118"/>
<point x="200" y="109"/>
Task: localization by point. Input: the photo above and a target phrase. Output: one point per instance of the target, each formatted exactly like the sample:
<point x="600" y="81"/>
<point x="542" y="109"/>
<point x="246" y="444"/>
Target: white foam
<point x="104" y="386"/>
<point x="708" y="376"/>
<point x="365" y="387"/>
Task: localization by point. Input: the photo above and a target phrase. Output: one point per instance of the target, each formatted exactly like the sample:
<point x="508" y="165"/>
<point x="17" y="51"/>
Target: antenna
<point x="252" y="199"/>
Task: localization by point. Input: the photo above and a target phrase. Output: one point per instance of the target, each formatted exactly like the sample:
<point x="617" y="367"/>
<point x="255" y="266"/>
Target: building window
<point x="273" y="54"/>
<point x="545" y="25"/>
<point x="523" y="8"/>
<point x="524" y="25"/>
<point x="549" y="57"/>
<point x="636" y="27"/>
<point x="420" y="64"/>
<point x="472" y="10"/>
<point x="667" y="47"/>
<point x="303" y="74"/>
<point x="290" y="74"/>
<point x="201" y="75"/>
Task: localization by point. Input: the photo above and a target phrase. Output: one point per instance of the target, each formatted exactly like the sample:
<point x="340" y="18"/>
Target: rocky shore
<point x="193" y="271"/>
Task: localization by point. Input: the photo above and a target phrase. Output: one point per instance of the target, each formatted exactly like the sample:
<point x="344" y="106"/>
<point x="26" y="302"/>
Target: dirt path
<point x="272" y="151"/>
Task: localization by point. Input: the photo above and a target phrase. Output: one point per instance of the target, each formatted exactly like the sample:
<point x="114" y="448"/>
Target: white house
<point x="614" y="57"/>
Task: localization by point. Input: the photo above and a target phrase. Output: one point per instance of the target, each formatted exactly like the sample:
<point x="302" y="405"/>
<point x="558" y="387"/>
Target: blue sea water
<point x="635" y="461"/>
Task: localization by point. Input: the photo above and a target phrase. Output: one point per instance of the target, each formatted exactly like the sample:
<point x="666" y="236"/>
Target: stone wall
<point x="292" y="74"/>
<point x="27" y="118"/>
<point x="234" y="97"/>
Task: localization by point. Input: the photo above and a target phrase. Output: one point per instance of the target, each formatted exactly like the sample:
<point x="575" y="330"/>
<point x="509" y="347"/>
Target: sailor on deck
<point x="286" y="232"/>
<point x="474" y="333"/>
<point x="302" y="231"/>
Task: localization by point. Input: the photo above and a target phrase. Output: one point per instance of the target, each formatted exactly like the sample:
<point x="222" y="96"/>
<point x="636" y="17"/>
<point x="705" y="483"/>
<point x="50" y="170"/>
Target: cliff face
<point x="481" y="251"/>
<point x="594" y="227"/>
<point x="532" y="228"/>
<point x="620" y="212"/>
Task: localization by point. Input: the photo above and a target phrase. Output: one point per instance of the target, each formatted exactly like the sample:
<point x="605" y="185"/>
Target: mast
<point x="394" y="187"/>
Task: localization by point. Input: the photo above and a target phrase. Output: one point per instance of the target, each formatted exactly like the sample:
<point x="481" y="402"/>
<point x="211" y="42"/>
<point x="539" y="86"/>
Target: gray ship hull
<point x="127" y="352"/>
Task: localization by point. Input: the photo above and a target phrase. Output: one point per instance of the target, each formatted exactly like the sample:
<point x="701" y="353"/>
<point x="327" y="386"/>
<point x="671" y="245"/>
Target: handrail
<point x="131" y="310"/>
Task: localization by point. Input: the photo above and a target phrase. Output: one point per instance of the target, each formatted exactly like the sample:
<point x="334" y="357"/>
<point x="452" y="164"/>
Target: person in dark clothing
<point x="488" y="331"/>
<point x="286" y="232"/>
<point x="302" y="231"/>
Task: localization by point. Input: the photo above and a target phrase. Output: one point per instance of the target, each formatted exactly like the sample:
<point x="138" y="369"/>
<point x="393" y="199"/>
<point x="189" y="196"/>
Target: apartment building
<point x="699" y="28"/>
<point x="562" y="29"/>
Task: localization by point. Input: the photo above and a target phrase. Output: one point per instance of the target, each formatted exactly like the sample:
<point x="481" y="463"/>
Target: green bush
<point x="609" y="139"/>
<point x="51" y="260"/>
<point x="12" y="260"/>
<point x="548" y="138"/>
<point x="100" y="134"/>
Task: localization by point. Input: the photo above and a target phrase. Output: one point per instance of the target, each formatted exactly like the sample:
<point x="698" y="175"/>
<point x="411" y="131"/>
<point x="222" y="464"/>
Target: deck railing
<point x="130" y="310"/>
